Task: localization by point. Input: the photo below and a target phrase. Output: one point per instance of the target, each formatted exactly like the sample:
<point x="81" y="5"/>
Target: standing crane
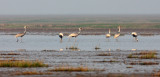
<point x="117" y="34"/>
<point x="75" y="34"/>
<point x="109" y="34"/>
<point x="21" y="34"/>
<point x="134" y="34"/>
<point x="61" y="36"/>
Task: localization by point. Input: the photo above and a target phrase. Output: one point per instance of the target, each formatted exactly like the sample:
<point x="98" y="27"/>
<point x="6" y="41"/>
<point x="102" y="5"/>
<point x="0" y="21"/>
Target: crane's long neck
<point x="24" y="30"/>
<point x="109" y="31"/>
<point x="119" y="29"/>
<point x="79" y="31"/>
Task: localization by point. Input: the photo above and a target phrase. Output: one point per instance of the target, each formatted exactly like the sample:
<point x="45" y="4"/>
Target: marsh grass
<point x="149" y="63"/>
<point x="32" y="73"/>
<point x="104" y="54"/>
<point x="97" y="48"/>
<point x="129" y="67"/>
<point x="144" y="55"/>
<point x="110" y="61"/>
<point x="144" y="63"/>
<point x="73" y="48"/>
<point x="22" y="63"/>
<point x="148" y="56"/>
<point x="156" y="74"/>
<point x="132" y="56"/>
<point x="73" y="69"/>
<point x="146" y="52"/>
<point x="10" y="53"/>
<point x="49" y="50"/>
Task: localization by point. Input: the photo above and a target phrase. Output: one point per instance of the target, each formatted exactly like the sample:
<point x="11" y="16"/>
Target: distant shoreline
<point x="84" y="31"/>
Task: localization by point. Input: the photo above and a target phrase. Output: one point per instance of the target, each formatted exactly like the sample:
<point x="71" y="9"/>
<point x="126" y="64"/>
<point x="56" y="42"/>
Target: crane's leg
<point x="61" y="40"/>
<point x="136" y="39"/>
<point x="108" y="39"/>
<point x="17" y="39"/>
<point x="21" y="39"/>
<point x="75" y="39"/>
<point x="116" y="40"/>
<point x="69" y="39"/>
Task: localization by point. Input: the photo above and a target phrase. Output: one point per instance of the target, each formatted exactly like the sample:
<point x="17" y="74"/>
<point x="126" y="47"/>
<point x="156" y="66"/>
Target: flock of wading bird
<point x="134" y="34"/>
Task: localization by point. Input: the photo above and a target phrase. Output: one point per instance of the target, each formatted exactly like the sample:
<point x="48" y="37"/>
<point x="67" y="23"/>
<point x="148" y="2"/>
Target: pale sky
<point x="47" y="7"/>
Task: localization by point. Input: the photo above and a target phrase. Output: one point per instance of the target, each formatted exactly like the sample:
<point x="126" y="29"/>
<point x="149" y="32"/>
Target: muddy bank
<point x="75" y="74"/>
<point x="84" y="31"/>
<point x="110" y="63"/>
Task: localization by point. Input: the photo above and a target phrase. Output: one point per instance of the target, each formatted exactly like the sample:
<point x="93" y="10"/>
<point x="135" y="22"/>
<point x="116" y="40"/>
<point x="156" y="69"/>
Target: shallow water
<point x="83" y="42"/>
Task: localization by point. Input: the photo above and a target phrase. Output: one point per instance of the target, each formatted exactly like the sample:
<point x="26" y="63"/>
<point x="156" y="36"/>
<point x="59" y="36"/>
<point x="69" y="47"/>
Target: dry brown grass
<point x="104" y="54"/>
<point x="144" y="63"/>
<point x="148" y="56"/>
<point x="132" y="56"/>
<point x="156" y="74"/>
<point x="144" y="55"/>
<point x="74" y="69"/>
<point x="11" y="53"/>
<point x="97" y="48"/>
<point x="10" y="60"/>
<point x="107" y="61"/>
<point x="73" y="48"/>
<point x="33" y="73"/>
<point x="129" y="67"/>
<point x="146" y="52"/>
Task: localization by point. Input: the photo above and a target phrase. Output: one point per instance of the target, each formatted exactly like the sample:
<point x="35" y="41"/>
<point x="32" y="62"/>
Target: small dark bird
<point x="134" y="34"/>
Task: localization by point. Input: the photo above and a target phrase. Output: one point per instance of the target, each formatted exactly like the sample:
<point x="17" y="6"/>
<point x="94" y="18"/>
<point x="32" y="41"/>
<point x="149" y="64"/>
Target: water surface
<point x="83" y="42"/>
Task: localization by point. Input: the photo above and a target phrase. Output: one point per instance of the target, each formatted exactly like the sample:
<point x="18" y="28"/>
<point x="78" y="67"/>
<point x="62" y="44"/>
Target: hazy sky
<point x="45" y="7"/>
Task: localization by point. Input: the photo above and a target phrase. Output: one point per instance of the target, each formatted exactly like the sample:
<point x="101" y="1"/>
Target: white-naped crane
<point x="108" y="34"/>
<point x="75" y="34"/>
<point x="117" y="34"/>
<point x="21" y="34"/>
<point x="61" y="36"/>
<point x="134" y="34"/>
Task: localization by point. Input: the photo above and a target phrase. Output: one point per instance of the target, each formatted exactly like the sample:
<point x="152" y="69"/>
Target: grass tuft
<point x="144" y="63"/>
<point x="73" y="69"/>
<point x="23" y="63"/>
<point x="73" y="48"/>
<point x="148" y="56"/>
<point x="157" y="74"/>
<point x="146" y="52"/>
<point x="132" y="56"/>
<point x="33" y="73"/>
<point x="10" y="54"/>
<point x="104" y="54"/>
<point x="97" y="48"/>
<point x="144" y="55"/>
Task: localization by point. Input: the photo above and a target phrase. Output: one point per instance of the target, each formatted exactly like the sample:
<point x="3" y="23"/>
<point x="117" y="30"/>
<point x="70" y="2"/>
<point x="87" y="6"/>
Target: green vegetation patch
<point x="22" y="64"/>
